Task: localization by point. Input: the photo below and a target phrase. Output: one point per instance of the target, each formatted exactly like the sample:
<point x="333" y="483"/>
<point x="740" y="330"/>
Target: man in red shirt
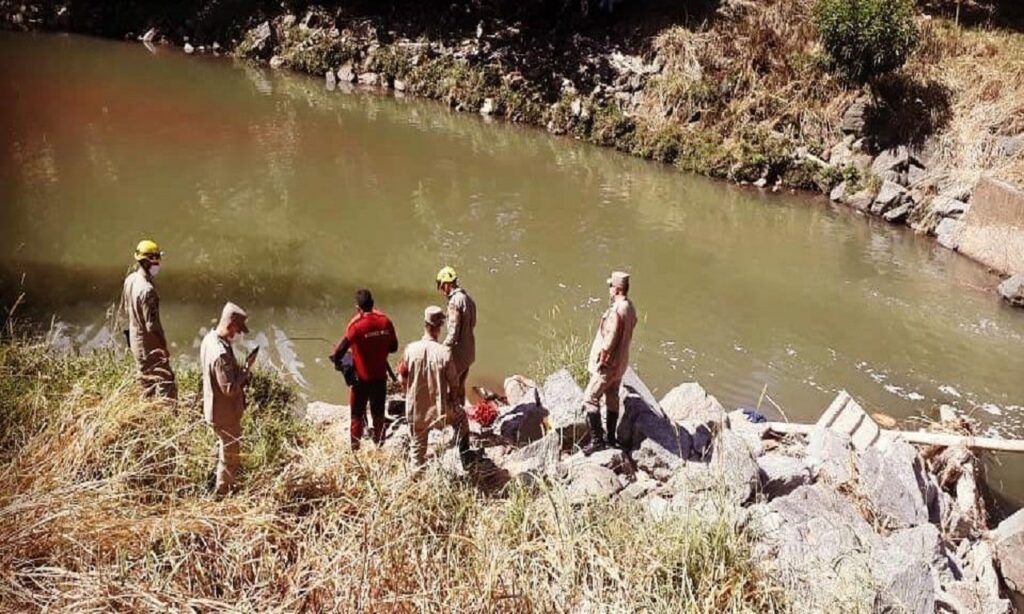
<point x="370" y="336"/>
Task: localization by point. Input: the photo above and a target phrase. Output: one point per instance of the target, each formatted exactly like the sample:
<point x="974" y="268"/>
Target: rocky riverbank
<point x="861" y="522"/>
<point x="733" y="89"/>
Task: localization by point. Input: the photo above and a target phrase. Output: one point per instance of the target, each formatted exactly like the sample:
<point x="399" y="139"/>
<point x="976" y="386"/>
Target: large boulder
<point x="781" y="474"/>
<point x="563" y="399"/>
<point x="520" y="390"/>
<point x="891" y="196"/>
<point x="894" y="159"/>
<point x="821" y="545"/>
<point x="1008" y="539"/>
<point x="855" y="116"/>
<point x="259" y="42"/>
<point x="948" y="233"/>
<point x="903" y="583"/>
<point x="894" y="482"/>
<point x="523" y="423"/>
<point x="731" y="474"/>
<point x="691" y="403"/>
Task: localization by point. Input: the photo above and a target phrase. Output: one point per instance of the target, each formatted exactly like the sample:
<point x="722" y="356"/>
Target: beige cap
<point x="433" y="315"/>
<point x="619" y="280"/>
<point x="234" y="313"/>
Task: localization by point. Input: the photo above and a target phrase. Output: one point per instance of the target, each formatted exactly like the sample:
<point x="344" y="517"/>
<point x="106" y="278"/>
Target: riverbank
<point x="734" y="90"/>
<point x="105" y="505"/>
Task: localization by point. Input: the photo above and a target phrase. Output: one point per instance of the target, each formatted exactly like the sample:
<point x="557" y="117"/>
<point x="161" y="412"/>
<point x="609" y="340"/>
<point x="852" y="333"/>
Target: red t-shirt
<point x="371" y="337"/>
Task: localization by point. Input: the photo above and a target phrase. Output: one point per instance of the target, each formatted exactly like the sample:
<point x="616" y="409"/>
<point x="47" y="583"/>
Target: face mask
<point x="154" y="269"/>
<point x="238" y="338"/>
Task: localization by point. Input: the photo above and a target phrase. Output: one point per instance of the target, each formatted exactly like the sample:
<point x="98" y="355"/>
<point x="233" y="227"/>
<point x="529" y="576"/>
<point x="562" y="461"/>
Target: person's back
<point x="222" y="398"/>
<point x="371" y="338"/>
<point x="430" y="374"/>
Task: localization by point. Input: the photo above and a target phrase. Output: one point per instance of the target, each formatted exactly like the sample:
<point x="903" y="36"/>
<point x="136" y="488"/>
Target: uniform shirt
<point x="223" y="381"/>
<point x="371" y="337"/>
<point x="142" y="306"/>
<point x="461" y="337"/>
<point x="614" y="336"/>
<point x="429" y="374"/>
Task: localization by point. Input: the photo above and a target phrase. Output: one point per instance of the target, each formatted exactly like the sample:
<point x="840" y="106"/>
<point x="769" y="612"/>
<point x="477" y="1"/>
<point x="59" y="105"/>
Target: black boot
<point x="596" y="435"/>
<point x="465" y="453"/>
<point x="611" y="421"/>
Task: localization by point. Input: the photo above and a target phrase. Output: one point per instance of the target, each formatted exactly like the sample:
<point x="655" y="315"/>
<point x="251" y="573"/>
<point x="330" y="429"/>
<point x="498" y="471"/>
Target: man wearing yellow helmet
<point x="461" y="337"/>
<point x="145" y="332"/>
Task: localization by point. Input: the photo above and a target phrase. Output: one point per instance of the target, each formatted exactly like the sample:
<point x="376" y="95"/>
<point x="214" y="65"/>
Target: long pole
<point x="920" y="437"/>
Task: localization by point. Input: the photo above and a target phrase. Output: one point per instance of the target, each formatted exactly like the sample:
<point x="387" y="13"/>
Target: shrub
<point x="866" y="38"/>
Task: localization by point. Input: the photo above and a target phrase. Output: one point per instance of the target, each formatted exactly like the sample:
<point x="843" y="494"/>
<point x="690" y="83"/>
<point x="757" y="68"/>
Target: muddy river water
<point x="266" y="189"/>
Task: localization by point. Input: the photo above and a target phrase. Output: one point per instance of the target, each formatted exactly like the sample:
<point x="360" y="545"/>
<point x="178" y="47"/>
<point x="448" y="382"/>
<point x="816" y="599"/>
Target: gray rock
<point x="588" y="482"/>
<point x="346" y="74"/>
<point x="188" y="48"/>
<point x="891" y="195"/>
<point x="259" y="42"/>
<point x="1009" y="146"/>
<point x="894" y="159"/>
<point x="641" y="486"/>
<point x="369" y="78"/>
<point x="838" y="193"/>
<point x="731" y="474"/>
<point x="924" y="543"/>
<point x="821" y="545"/>
<point x="540" y="457"/>
<point x="1008" y="539"/>
<point x="948" y="233"/>
<point x="898" y="214"/>
<point x="400" y="85"/>
<point x="963" y="597"/>
<point x="1012" y="290"/>
<point x="893" y="481"/>
<point x="691" y="403"/>
<point x="946" y="206"/>
<point x="330" y="80"/>
<point x="611" y="458"/>
<point x="854" y="118"/>
<point x="781" y="475"/>
<point x="752" y="433"/>
<point x="861" y="201"/>
<point x="488" y="107"/>
<point x="276" y="62"/>
<point x="562" y="397"/>
<point x="978" y="564"/>
<point x="830" y="455"/>
<point x="319" y="412"/>
<point x="632" y="383"/>
<point x="656" y="460"/>
<point x="904" y="584"/>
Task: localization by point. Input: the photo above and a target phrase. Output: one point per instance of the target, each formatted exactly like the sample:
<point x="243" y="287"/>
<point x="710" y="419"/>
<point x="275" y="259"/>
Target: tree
<point x="866" y="38"/>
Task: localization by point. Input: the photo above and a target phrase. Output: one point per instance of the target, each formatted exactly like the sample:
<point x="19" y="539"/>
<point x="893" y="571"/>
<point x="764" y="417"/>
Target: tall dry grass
<point x="103" y="506"/>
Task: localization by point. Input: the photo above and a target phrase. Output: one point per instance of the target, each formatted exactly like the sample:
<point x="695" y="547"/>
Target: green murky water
<point x="266" y="189"/>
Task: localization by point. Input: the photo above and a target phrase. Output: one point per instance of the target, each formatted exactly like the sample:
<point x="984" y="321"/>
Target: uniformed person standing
<point x="224" y="383"/>
<point x="461" y="337"/>
<point x="609" y="358"/>
<point x="429" y="378"/>
<point x="145" y="333"/>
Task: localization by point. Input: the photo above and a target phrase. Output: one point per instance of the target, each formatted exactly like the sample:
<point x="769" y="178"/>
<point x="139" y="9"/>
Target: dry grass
<point x="103" y="506"/>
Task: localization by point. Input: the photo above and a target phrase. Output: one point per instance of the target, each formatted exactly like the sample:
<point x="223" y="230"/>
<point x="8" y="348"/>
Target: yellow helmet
<point x="446" y="275"/>
<point x="147" y="249"/>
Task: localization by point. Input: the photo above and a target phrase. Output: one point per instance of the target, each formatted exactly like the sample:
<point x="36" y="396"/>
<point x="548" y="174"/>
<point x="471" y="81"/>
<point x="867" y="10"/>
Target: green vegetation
<point x="104" y="506"/>
<point x="866" y="38"/>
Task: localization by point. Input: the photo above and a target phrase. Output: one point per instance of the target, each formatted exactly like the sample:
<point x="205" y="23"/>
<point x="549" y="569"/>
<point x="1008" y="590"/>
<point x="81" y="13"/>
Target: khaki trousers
<point x="421" y="435"/>
<point x="229" y="439"/>
<point x="601" y="385"/>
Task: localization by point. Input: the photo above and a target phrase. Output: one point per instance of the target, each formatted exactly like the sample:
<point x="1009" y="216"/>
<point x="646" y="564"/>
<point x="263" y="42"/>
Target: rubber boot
<point x="466" y="455"/>
<point x="611" y="423"/>
<point x="597" y="441"/>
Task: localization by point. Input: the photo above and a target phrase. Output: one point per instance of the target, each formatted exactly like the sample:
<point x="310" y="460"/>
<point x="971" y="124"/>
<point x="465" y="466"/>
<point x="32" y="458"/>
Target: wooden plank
<point x="919" y="437"/>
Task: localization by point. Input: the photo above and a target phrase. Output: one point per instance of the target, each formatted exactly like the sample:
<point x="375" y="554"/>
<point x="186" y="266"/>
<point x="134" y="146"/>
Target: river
<point x="267" y="189"/>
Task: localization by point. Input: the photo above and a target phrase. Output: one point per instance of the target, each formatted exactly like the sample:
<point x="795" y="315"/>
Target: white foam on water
<point x="991" y="408"/>
<point x="951" y="391"/>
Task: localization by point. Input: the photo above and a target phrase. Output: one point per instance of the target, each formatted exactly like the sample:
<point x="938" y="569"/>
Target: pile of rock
<point x="857" y="518"/>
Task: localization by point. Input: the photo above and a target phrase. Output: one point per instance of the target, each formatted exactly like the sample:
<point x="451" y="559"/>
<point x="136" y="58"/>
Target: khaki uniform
<point x="613" y="337"/>
<point x="430" y="375"/>
<point x="146" y="335"/>
<point x="223" y="403"/>
<point x="461" y="338"/>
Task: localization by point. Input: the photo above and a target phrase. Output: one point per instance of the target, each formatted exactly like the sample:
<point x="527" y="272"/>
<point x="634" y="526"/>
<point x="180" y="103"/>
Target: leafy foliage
<point x="866" y="38"/>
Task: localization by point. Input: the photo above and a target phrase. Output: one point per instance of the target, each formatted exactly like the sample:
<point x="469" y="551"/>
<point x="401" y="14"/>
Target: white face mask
<point x="154" y="269"/>
<point x="237" y="338"/>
